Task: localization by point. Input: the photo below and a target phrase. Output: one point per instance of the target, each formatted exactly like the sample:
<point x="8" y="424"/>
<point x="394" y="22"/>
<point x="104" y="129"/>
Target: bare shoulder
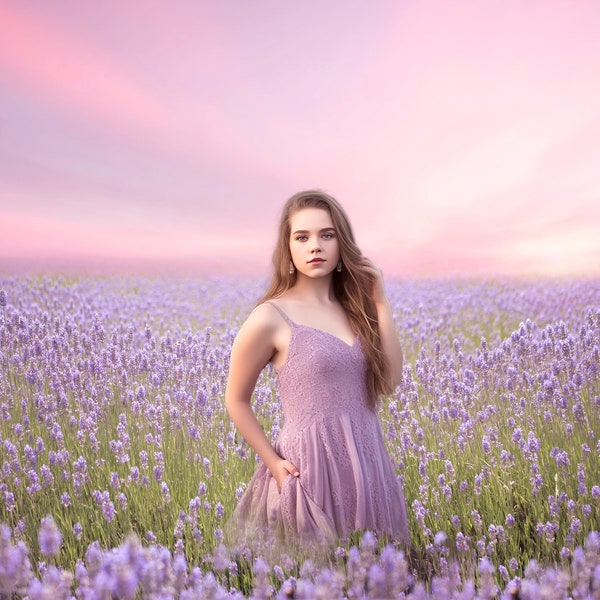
<point x="263" y="321"/>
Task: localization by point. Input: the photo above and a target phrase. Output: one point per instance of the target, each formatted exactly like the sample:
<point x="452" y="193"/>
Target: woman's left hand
<point x="378" y="291"/>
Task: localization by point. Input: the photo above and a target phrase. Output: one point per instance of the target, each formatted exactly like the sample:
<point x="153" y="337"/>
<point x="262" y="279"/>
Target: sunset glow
<point x="461" y="137"/>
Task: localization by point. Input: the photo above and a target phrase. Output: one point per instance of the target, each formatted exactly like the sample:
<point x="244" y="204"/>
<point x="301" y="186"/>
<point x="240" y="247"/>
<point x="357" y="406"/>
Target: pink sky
<point x="462" y="137"/>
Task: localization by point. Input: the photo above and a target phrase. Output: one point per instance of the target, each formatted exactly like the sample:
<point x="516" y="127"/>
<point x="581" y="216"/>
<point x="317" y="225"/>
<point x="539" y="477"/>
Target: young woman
<point x="327" y="328"/>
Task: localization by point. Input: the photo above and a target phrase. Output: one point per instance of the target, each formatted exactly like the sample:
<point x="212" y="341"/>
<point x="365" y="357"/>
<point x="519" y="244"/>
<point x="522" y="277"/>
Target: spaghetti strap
<point x="280" y="311"/>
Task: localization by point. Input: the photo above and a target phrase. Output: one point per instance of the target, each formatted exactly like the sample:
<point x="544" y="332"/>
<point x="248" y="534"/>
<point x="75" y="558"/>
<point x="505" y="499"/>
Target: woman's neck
<point x="317" y="291"/>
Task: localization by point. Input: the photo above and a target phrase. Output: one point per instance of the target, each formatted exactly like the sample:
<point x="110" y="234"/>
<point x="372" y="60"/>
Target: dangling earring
<point x="292" y="269"/>
<point x="339" y="266"/>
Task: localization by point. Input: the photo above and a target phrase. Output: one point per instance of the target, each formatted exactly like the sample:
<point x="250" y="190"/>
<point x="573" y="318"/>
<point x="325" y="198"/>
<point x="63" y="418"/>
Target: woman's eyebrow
<point x="307" y="231"/>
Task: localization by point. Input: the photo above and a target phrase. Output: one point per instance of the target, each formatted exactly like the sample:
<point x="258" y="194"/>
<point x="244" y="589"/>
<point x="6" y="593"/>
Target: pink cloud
<point x="68" y="72"/>
<point x="41" y="239"/>
<point x="80" y="77"/>
<point x="457" y="134"/>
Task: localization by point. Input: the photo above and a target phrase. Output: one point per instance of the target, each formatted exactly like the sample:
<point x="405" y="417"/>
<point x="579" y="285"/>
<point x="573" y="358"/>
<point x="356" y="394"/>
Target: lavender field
<point x="119" y="466"/>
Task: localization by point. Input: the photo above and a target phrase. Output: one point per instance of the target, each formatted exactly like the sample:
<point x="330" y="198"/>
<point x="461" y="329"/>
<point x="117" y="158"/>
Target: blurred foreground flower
<point x="49" y="537"/>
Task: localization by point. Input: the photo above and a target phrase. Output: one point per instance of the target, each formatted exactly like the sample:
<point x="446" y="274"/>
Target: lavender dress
<point x="330" y="434"/>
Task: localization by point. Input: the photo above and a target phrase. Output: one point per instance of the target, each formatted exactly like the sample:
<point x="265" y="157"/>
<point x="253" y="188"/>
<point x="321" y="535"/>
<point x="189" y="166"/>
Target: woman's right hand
<point x="282" y="469"/>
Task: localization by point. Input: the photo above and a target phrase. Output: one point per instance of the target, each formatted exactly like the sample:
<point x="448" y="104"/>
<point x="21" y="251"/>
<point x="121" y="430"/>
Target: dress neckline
<point x="328" y="333"/>
<point x="335" y="337"/>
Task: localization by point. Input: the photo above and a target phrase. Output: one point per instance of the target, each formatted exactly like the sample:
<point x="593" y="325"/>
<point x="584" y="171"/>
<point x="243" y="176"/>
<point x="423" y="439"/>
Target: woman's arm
<point x="387" y="328"/>
<point x="252" y="349"/>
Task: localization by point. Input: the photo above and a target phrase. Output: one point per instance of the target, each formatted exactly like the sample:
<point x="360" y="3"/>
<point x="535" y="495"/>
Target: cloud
<point x="454" y="137"/>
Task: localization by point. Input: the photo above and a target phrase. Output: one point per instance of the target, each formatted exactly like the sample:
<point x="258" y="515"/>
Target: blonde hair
<point x="351" y="285"/>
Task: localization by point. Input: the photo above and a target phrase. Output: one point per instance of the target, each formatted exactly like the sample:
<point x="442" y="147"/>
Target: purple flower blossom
<point x="108" y="510"/>
<point x="49" y="537"/>
<point x="9" y="501"/>
<point x="462" y="542"/>
<point x="517" y="435"/>
<point x="166" y="493"/>
<point x="144" y="459"/>
<point x="158" y="472"/>
<point x="150" y="537"/>
<point x="115" y="483"/>
<point x="440" y="538"/>
<point x="122" y="500"/>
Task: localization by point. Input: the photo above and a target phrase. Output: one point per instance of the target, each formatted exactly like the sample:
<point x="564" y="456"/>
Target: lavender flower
<point x="166" y="493"/>
<point x="108" y="510"/>
<point x="478" y="411"/>
<point x="49" y="537"/>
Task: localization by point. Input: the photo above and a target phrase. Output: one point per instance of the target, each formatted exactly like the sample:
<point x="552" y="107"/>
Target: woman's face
<point x="313" y="242"/>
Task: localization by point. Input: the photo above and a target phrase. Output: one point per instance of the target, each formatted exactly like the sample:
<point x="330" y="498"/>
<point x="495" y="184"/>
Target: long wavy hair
<point x="351" y="285"/>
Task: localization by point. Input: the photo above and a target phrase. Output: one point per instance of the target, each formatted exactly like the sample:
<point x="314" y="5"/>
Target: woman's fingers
<point x="284" y="469"/>
<point x="291" y="469"/>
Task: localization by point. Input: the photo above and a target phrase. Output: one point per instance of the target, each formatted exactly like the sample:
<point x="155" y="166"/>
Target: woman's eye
<point x="328" y="236"/>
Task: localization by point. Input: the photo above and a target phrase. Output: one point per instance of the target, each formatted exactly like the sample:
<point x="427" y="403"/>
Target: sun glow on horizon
<point x="456" y="142"/>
